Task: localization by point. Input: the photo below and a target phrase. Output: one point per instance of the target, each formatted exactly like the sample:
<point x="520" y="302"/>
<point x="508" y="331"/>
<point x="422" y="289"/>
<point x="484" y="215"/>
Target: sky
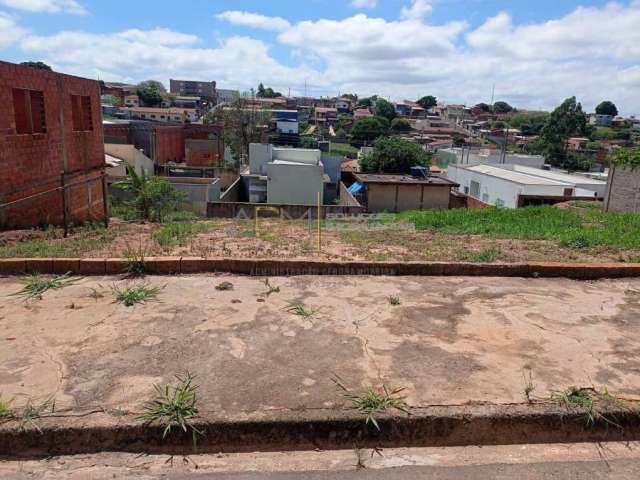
<point x="532" y="54"/>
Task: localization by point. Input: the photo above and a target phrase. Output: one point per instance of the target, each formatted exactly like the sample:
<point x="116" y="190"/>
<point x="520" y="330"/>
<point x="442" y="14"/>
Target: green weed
<point x="300" y="309"/>
<point x="35" y="285"/>
<point x="373" y="402"/>
<point x="177" y="232"/>
<point x="224" y="286"/>
<point x="579" y="229"/>
<point x="52" y="243"/>
<point x="135" y="264"/>
<point x="174" y="406"/>
<point x="270" y="288"/>
<point x="529" y="387"/>
<point x="33" y="411"/>
<point x="132" y="295"/>
<point x="487" y="255"/>
<point x="6" y="412"/>
<point x="394" y="300"/>
<point x="589" y="401"/>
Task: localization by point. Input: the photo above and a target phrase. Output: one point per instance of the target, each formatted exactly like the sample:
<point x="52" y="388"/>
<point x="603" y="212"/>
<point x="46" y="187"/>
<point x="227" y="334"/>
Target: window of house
<point x="81" y="113"/>
<point x="153" y="116"/>
<point x="28" y="108"/>
<point x="475" y="189"/>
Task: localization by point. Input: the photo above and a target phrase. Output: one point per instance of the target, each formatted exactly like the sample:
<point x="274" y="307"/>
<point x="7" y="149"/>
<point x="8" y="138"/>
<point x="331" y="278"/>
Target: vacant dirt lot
<point x="449" y="341"/>
<point x="294" y="240"/>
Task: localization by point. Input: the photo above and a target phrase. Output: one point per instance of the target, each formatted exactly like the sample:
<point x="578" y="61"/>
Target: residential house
<point x="167" y="115"/>
<point x="397" y="193"/>
<point x="513" y="186"/>
<point x="51" y="148"/>
<point x="325" y="115"/>
<point x="191" y="88"/>
<point x="190" y="144"/>
<point x="600" y="120"/>
<point x="343" y="105"/>
<point x="292" y="176"/>
<point x="577" y="143"/>
<point x="131" y="101"/>
<point x="362" y="113"/>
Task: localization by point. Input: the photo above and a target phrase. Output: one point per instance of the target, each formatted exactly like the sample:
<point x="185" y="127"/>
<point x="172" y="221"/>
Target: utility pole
<point x="493" y="92"/>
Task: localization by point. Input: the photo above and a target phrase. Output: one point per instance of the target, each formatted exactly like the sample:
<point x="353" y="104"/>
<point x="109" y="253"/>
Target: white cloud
<point x="10" y="31"/>
<point x="364" y="3"/>
<point x="533" y="65"/>
<point x="417" y="11"/>
<point x="48" y="6"/>
<point x="254" y="20"/>
<point x="135" y="55"/>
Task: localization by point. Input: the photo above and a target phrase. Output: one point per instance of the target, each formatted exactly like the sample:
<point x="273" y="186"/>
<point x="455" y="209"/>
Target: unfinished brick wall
<point x="50" y="128"/>
<point x="167" y="143"/>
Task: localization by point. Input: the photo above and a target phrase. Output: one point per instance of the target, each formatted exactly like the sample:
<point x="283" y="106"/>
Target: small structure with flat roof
<point x="397" y="193"/>
<point x="514" y="186"/>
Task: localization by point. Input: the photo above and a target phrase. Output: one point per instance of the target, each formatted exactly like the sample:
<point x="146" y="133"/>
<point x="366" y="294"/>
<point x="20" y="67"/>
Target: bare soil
<point x="277" y="239"/>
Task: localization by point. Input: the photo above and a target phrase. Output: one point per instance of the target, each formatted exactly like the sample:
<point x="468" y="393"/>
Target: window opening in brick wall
<point x="81" y="113"/>
<point x="28" y="108"/>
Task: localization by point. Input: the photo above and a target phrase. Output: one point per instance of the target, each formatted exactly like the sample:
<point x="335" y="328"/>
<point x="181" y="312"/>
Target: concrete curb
<point x="259" y="267"/>
<point x="323" y="429"/>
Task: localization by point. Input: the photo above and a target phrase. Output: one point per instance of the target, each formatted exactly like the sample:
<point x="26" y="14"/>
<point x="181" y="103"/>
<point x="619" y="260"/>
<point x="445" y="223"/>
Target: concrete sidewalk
<point x="452" y="341"/>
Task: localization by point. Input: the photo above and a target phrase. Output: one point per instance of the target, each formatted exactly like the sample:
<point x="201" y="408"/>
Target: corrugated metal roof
<point x="512" y="176"/>
<point x="558" y="176"/>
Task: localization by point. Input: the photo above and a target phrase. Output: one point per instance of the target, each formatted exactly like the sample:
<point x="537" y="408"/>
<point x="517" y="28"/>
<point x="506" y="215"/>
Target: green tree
<point x="38" y="65"/>
<point x="529" y="123"/>
<point x="367" y="102"/>
<point x="576" y="161"/>
<point x="385" y="109"/>
<point x="400" y="125"/>
<point x="365" y="130"/>
<point x="151" y="93"/>
<point x="394" y="155"/>
<point x="564" y="122"/>
<point x="625" y="157"/>
<point x="153" y="197"/>
<point x="502" y="107"/>
<point x="484" y="107"/>
<point x="428" y="101"/>
<point x="607" y="108"/>
<point x="110" y="100"/>
<point x="267" y="92"/>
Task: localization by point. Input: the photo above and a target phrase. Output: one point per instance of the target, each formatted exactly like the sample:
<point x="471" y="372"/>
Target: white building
<point x="227" y="96"/>
<point x="505" y="186"/>
<point x="292" y="176"/>
<point x="478" y="156"/>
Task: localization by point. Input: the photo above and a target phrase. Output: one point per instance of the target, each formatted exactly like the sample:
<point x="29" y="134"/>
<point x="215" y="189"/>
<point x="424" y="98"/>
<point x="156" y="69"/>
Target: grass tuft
<point x="529" y="386"/>
<point x="394" y="300"/>
<point x="488" y="255"/>
<point x="372" y="402"/>
<point x="6" y="412"/>
<point x="35" y="285"/>
<point x="134" y="294"/>
<point x="300" y="309"/>
<point x="135" y="265"/>
<point x="224" y="286"/>
<point x="589" y="401"/>
<point x="177" y="232"/>
<point x="270" y="288"/>
<point x="174" y="406"/>
<point x="33" y="411"/>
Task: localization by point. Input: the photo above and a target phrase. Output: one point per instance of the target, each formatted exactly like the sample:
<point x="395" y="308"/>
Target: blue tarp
<point x="355" y="188"/>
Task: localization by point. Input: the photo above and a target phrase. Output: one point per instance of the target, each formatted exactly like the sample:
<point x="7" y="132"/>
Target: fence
<point x="63" y="204"/>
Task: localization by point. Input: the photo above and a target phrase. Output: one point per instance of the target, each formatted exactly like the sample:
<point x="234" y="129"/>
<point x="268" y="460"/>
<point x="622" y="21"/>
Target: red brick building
<point x="193" y="144"/>
<point x="51" y="148"/>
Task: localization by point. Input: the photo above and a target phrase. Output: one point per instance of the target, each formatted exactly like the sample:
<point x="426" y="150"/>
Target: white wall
<point x="131" y="155"/>
<point x="498" y="191"/>
<point x="259" y="155"/>
<point x="303" y="155"/>
<point x="491" y="157"/>
<point x="294" y="184"/>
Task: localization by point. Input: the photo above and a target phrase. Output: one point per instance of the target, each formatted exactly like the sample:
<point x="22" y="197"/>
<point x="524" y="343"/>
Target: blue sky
<point x="536" y="53"/>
